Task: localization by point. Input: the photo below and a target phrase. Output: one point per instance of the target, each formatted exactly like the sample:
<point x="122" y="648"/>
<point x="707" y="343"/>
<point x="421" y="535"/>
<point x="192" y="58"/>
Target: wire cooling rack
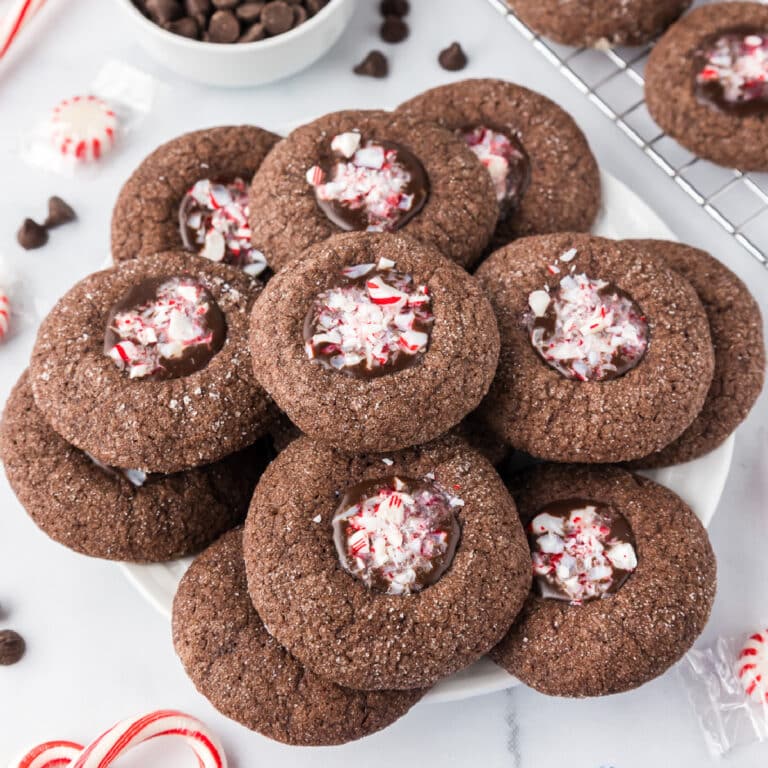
<point x="613" y="81"/>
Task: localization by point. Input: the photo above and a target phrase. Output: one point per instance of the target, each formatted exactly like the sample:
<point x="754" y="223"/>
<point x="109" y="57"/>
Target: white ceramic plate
<point x="700" y="483"/>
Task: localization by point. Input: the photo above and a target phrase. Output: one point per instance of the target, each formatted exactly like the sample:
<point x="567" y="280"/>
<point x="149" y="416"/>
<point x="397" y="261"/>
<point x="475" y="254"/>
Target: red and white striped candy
<point x="122" y="737"/>
<point x="15" y="20"/>
<point x="5" y="315"/>
<point x="83" y="128"/>
<point x="753" y="667"/>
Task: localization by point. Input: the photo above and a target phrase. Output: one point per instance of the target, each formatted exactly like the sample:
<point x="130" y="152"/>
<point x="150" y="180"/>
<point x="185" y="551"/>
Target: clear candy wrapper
<point x="83" y="129"/>
<point x="727" y="686"/>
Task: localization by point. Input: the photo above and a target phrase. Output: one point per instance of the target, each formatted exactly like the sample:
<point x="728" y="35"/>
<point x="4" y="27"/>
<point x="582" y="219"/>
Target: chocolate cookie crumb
<point x="12" y="647"/>
<point x="453" y="58"/>
<point x="393" y="29"/>
<point x="59" y="212"/>
<point x="375" y="64"/>
<point x="32" y="235"/>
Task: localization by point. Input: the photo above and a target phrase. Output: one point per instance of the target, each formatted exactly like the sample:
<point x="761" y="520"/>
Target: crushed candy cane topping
<point x="135" y="477"/>
<point x="732" y="70"/>
<point x="164" y="328"/>
<point x="375" y="186"/>
<point x="587" y="329"/>
<point x="397" y="535"/>
<point x="213" y="218"/>
<point x="581" y="550"/>
<point x="505" y="159"/>
<point x="375" y="322"/>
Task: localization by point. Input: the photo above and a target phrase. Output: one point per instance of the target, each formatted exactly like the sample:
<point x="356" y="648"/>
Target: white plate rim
<point x="157" y="582"/>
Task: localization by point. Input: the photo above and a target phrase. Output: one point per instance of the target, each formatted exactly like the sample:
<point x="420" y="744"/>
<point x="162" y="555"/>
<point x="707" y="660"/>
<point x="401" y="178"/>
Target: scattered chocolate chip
<point x="373" y="65"/>
<point x="253" y="34"/>
<point x="32" y="235"/>
<point x="59" y="213"/>
<point x="249" y="12"/>
<point x="186" y="27"/>
<point x="12" y="647"/>
<point x="224" y="27"/>
<point x="393" y="30"/>
<point x="452" y="58"/>
<point x="394" y="7"/>
<point x="163" y="11"/>
<point x="277" y="17"/>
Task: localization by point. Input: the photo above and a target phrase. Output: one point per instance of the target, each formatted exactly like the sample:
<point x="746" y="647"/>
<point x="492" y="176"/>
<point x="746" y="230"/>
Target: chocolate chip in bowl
<point x="237" y="42"/>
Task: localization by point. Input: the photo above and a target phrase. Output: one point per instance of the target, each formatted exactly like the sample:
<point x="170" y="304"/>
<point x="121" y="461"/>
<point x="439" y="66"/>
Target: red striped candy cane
<point x="753" y="667"/>
<point x="16" y="19"/>
<point x="123" y="736"/>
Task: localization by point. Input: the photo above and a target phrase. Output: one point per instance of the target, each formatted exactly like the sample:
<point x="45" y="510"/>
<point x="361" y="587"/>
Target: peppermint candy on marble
<point x="163" y="328"/>
<point x="753" y="667"/>
<point x="123" y="737"/>
<point x="378" y="320"/>
<point x="397" y="536"/>
<point x="587" y="329"/>
<point x="739" y="64"/>
<point x="83" y="128"/>
<point x="576" y="554"/>
<point x="5" y="314"/>
<point x="214" y="221"/>
<point x="368" y="178"/>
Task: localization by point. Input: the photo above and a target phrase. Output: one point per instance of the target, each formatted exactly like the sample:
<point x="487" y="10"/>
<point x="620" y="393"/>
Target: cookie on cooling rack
<point x="120" y="514"/>
<point x="624" y="580"/>
<point x="606" y="352"/>
<point x="192" y="194"/>
<point x="737" y="336"/>
<point x="371" y="171"/>
<point x="599" y="23"/>
<point x="146" y="365"/>
<point x="335" y="572"/>
<point x="248" y="676"/>
<point x="544" y="174"/>
<point x="707" y="83"/>
<point x="374" y="342"/>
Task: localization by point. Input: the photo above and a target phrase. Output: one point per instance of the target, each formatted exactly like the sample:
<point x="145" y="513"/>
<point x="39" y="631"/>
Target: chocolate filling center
<point x="369" y="185"/>
<point x="731" y="70"/>
<point x="164" y="328"/>
<point x="581" y="550"/>
<point x="397" y="535"/>
<point x="376" y="321"/>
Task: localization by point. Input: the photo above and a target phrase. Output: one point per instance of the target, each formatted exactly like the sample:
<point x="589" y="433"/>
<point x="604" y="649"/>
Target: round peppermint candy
<point x="753" y="667"/>
<point x="83" y="128"/>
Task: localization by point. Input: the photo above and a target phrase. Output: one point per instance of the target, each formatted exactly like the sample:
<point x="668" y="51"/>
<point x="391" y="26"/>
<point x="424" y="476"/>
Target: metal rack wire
<point x="613" y="81"/>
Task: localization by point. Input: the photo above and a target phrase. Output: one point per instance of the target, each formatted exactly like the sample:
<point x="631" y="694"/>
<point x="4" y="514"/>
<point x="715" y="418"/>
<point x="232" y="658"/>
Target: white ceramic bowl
<point x="242" y="64"/>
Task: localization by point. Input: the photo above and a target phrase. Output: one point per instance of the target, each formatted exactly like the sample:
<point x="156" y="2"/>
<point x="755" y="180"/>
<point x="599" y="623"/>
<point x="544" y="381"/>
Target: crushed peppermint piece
<point x="589" y="329"/>
<point x="374" y="186"/>
<point x="732" y="70"/>
<point x="213" y="219"/>
<point x="317" y="518"/>
<point x="164" y="328"/>
<point x="580" y="550"/>
<point x="388" y="462"/>
<point x="397" y="535"/>
<point x="506" y="161"/>
<point x="569" y="255"/>
<point x="135" y="477"/>
<point x="375" y="322"/>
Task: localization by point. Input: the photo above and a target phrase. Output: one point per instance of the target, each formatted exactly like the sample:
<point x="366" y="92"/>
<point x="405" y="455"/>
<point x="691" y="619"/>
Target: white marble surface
<point x="97" y="652"/>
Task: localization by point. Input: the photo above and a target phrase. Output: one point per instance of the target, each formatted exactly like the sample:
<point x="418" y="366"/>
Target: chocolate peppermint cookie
<point x="606" y="353"/>
<point x="599" y="23"/>
<point x="737" y="336"/>
<point x="119" y="514"/>
<point x="248" y="676"/>
<point x="543" y="172"/>
<point x="192" y="194"/>
<point x="146" y="365"/>
<point x="385" y="571"/>
<point x="374" y="342"/>
<point x="624" y="579"/>
<point x="375" y="172"/>
<point x="707" y="83"/>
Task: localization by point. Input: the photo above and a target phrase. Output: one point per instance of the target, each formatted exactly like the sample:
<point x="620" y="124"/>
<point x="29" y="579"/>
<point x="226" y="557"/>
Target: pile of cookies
<point x="293" y="329"/>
